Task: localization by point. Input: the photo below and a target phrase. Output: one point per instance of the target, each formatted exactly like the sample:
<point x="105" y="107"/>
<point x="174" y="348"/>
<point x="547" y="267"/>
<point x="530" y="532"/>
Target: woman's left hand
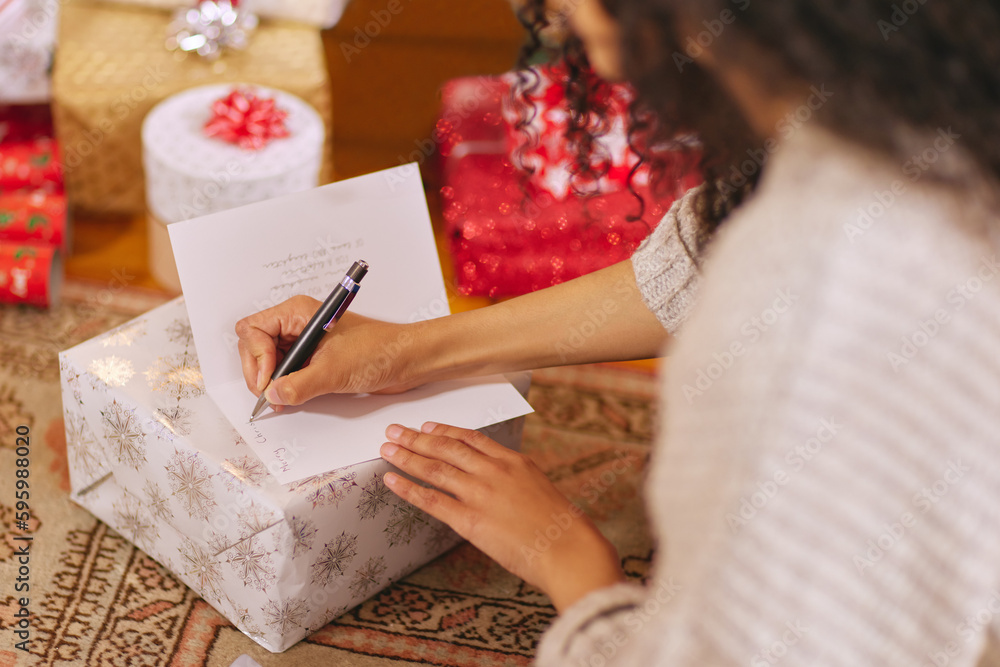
<point x="504" y="504"/>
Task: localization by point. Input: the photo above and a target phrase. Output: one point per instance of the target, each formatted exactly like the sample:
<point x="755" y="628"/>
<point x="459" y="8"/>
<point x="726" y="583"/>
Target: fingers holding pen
<point x="258" y="349"/>
<point x="260" y="335"/>
<point x="258" y="361"/>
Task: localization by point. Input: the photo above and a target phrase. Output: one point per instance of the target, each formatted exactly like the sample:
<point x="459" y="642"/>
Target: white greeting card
<point x="242" y="260"/>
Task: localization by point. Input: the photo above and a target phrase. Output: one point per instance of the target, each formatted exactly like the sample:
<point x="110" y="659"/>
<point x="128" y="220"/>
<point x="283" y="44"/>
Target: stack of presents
<point x="80" y="78"/>
<point x="34" y="229"/>
<point x="175" y="109"/>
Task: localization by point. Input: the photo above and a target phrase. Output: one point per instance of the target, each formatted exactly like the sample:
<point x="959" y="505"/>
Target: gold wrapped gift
<point x="112" y="67"/>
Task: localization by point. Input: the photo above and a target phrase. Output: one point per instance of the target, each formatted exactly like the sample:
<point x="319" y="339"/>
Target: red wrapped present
<point x="513" y="214"/>
<point x="30" y="273"/>
<point x="34" y="216"/>
<point x="29" y="163"/>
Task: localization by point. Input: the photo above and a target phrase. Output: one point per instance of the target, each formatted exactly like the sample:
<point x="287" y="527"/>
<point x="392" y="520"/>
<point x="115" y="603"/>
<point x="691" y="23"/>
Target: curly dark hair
<point x="654" y="124"/>
<point x="586" y="118"/>
<point x="898" y="70"/>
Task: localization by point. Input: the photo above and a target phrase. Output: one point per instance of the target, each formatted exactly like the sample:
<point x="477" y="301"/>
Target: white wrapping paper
<point x="151" y="456"/>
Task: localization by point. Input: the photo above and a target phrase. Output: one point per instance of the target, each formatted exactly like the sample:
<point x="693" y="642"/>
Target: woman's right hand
<point x="359" y="355"/>
<point x="597" y="317"/>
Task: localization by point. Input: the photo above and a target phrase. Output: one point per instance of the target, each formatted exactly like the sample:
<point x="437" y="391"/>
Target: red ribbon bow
<point x="246" y="120"/>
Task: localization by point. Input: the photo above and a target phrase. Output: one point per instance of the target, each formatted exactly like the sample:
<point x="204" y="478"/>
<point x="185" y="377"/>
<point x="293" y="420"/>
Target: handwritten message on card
<point x="309" y="271"/>
<point x="241" y="261"/>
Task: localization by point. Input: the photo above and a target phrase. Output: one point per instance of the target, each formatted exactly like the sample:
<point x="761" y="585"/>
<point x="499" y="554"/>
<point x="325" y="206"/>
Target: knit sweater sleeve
<point x="666" y="265"/>
<point x="667" y="272"/>
<point x="602" y="625"/>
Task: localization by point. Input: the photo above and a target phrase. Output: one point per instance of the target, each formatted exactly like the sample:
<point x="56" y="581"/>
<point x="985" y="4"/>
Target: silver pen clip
<point x="351" y="287"/>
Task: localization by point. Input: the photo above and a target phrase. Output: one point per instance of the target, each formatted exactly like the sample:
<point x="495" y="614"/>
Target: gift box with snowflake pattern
<point x="152" y="456"/>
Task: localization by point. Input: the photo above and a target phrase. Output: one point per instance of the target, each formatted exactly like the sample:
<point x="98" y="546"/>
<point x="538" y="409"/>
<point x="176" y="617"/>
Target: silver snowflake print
<point x="404" y="523"/>
<point x="333" y="613"/>
<point x="244" y="470"/>
<point x="83" y="448"/>
<point x="190" y="481"/>
<point x="255" y="519"/>
<point x="168" y="563"/>
<point x="303" y="534"/>
<point x="219" y="542"/>
<point x="369" y="577"/>
<point x="334" y="559"/>
<point x="112" y="371"/>
<point x="201" y="567"/>
<point x="133" y="522"/>
<point x="71" y="377"/>
<point x="125" y="335"/>
<point x="252" y="564"/>
<point x="156" y="501"/>
<point x="283" y="615"/>
<point x="171" y="422"/>
<point x="243" y="620"/>
<point x="180" y="332"/>
<point x="177" y="375"/>
<point x="123" y="432"/>
<point x="326" y="489"/>
<point x="374" y="496"/>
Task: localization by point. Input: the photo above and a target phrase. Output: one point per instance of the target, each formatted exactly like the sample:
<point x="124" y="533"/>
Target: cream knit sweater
<point x="826" y="484"/>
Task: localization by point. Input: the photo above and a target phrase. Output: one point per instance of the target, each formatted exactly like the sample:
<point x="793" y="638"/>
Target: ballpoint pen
<point x="325" y="318"/>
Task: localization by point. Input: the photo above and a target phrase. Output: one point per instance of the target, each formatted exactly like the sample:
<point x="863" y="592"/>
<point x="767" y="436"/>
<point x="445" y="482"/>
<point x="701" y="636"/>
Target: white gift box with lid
<point x="152" y="456"/>
<point x="189" y="174"/>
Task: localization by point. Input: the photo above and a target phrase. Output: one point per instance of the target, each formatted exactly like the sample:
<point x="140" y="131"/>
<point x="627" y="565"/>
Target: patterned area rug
<point x="97" y="600"/>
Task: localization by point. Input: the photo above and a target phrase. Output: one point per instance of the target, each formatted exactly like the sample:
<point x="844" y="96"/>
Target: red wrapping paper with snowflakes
<point x="29" y="273"/>
<point x="513" y="220"/>
<point x="35" y="216"/>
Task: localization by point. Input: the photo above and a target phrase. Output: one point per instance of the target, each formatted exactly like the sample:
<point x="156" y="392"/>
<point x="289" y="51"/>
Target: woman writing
<point x="825" y="484"/>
